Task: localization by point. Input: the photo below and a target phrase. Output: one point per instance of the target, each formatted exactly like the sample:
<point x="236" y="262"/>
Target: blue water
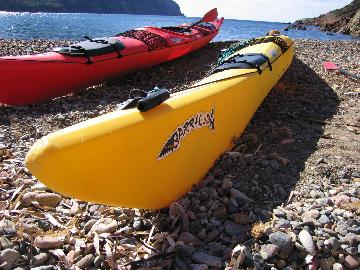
<point x="74" y="26"/>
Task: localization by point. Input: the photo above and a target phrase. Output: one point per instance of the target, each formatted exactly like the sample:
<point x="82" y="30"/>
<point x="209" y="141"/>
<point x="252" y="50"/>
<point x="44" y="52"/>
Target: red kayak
<point x="34" y="78"/>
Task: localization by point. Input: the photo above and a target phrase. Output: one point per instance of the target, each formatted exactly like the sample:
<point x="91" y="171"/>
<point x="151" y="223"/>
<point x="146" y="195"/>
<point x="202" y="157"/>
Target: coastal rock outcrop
<point x="345" y="20"/>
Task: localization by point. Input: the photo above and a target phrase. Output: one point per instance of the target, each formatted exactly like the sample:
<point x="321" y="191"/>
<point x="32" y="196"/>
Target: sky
<point x="261" y="10"/>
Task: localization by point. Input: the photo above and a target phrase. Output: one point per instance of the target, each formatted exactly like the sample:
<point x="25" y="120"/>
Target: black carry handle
<point x="103" y="41"/>
<point x="153" y="99"/>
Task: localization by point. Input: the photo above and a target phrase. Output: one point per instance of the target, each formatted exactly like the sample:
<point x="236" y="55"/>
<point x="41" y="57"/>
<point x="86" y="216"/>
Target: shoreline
<point x="13" y="46"/>
<point x="288" y="192"/>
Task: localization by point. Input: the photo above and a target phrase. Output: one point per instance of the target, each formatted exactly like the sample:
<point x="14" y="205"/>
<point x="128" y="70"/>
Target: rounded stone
<point x="306" y="240"/>
<point x="268" y="251"/>
<point x="282" y="240"/>
<point x="324" y="220"/>
<point x="203" y="258"/>
<point x="337" y="266"/>
<point x="8" y="258"/>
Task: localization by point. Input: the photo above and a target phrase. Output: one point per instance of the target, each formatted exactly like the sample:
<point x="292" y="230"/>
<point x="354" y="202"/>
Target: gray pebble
<point x="226" y="183"/>
<point x="274" y="164"/>
<point x="220" y="212"/>
<point x="334" y="243"/>
<point x="216" y="249"/>
<point x="199" y="267"/>
<point x="88" y="225"/>
<point x="232" y="228"/>
<point x="137" y="225"/>
<point x="215" y="222"/>
<point x="46" y="267"/>
<point x="320" y="243"/>
<point x="285" y="253"/>
<point x="327" y="263"/>
<point x="268" y="251"/>
<point x="40" y="259"/>
<point x="324" y="220"/>
<point x="184" y="250"/>
<point x="319" y="232"/>
<point x="85" y="261"/>
<point x="259" y="263"/>
<point x="331" y="232"/>
<point x="341" y="174"/>
<point x="98" y="260"/>
<point x="279" y="213"/>
<point x="8" y="257"/>
<point x="314" y="194"/>
<point x="351" y="250"/>
<point x="282" y="240"/>
<point x="355" y="230"/>
<point x="188" y="238"/>
<point x="337" y="266"/>
<point x="5" y="243"/>
<point x="312" y="214"/>
<point x="236" y="194"/>
<point x="352" y="238"/>
<point x="282" y="224"/>
<point x="7" y="227"/>
<point x="212" y="235"/>
<point x="353" y="222"/>
<point x="203" y="258"/>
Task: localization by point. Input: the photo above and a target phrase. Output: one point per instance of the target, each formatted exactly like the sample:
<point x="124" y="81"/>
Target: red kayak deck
<point x="34" y="78"/>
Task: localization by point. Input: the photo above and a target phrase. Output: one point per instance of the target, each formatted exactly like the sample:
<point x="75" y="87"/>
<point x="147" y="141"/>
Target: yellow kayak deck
<point x="149" y="159"/>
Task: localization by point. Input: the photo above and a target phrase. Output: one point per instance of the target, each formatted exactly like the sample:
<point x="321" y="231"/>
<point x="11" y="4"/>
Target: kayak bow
<point x="148" y="159"/>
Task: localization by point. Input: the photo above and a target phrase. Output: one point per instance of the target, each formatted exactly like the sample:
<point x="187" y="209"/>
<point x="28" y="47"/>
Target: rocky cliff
<point x="345" y="20"/>
<point x="146" y="7"/>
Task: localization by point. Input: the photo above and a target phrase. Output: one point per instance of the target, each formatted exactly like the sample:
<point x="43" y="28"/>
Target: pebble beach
<point x="287" y="196"/>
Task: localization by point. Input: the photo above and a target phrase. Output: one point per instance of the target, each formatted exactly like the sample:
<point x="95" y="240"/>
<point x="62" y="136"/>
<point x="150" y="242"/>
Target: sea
<point x="73" y="26"/>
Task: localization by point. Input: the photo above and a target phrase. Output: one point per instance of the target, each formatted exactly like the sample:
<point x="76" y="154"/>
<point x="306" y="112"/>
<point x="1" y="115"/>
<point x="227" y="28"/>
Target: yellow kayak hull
<point x="149" y="159"/>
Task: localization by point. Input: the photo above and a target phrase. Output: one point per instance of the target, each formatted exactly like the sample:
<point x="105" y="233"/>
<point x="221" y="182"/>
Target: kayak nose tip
<point x="34" y="156"/>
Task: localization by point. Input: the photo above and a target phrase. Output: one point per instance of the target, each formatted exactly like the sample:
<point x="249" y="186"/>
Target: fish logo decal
<point x="199" y="120"/>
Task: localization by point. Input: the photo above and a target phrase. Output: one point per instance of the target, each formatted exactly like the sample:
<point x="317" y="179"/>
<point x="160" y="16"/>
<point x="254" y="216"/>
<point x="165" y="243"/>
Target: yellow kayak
<point x="149" y="159"/>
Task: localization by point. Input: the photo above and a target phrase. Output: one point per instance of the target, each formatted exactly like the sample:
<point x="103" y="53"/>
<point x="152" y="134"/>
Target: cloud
<point x="262" y="10"/>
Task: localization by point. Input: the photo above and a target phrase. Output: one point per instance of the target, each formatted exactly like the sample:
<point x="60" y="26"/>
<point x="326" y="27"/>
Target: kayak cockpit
<point x="92" y="47"/>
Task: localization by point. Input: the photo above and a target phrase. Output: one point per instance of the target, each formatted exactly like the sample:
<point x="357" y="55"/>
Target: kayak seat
<point x="208" y="26"/>
<point x="92" y="47"/>
<point x="245" y="61"/>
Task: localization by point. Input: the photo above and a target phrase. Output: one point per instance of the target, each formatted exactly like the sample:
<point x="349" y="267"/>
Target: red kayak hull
<point x="35" y="78"/>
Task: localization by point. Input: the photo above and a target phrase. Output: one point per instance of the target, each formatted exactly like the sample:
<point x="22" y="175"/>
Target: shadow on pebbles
<point x="285" y="197"/>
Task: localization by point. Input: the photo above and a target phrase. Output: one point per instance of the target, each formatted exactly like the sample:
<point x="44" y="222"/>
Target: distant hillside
<point x="345" y="20"/>
<point x="146" y="7"/>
